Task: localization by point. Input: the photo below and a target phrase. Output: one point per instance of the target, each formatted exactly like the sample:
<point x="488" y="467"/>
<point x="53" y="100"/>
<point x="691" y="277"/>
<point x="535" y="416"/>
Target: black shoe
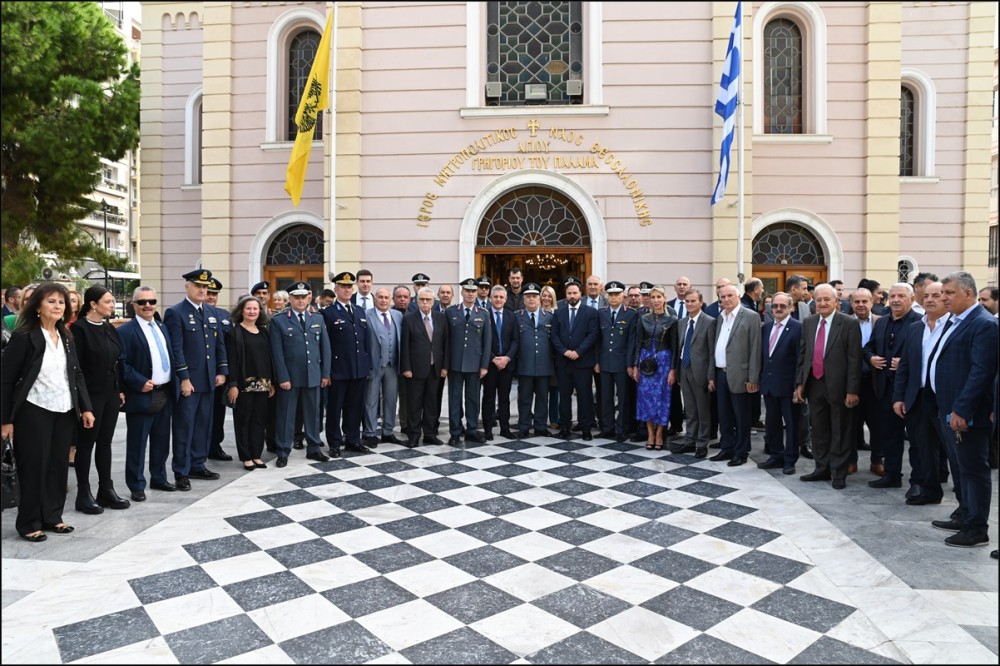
<point x="166" y="486"/>
<point x="543" y="432"/>
<point x="587" y="436"/>
<point x="885" y="482"/>
<point x="950" y="525"/>
<point x="737" y="461"/>
<point x="921" y="500"/>
<point x="370" y="441"/>
<point x="318" y="456"/>
<point x="282" y="461"/>
<point x="994" y="555"/>
<point x="523" y="434"/>
<point x="771" y="463"/>
<point x="789" y="470"/>
<point x="722" y="455"/>
<point x="816" y="476"/>
<point x="757" y="425"/>
<point x="968" y="539"/>
<point x="915" y="491"/>
<point x="577" y="428"/>
<point x="863" y="446"/>
<point x="434" y="441"/>
<point x="220" y="455"/>
<point x="357" y="448"/>
<point x="85" y="504"/>
<point x="839" y="484"/>
<point x="454" y="440"/>
<point x="298" y="446"/>
<point x="508" y="434"/>
<point x="183" y="483"/>
<point x="204" y="474"/>
<point x="108" y="498"/>
<point x="701" y="452"/>
<point x="391" y="439"/>
<point x="606" y="434"/>
<point x="620" y="437"/>
<point x="488" y="436"/>
<point x="260" y="465"/>
<point x="334" y="453"/>
<point x="715" y="445"/>
<point x="671" y="431"/>
<point x="806" y="453"/>
<point x="637" y="438"/>
<point x="564" y="434"/>
<point x="473" y="436"/>
<point x="414" y="442"/>
<point x="138" y="496"/>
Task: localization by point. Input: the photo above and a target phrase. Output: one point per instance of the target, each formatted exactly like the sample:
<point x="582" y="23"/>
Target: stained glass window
<point x="903" y="270"/>
<point x="534" y="43"/>
<point x="782" y="78"/>
<point x="301" y="53"/>
<point x="533" y="216"/>
<point x="906" y="127"/>
<point x="787" y="244"/>
<point x="300" y="245"/>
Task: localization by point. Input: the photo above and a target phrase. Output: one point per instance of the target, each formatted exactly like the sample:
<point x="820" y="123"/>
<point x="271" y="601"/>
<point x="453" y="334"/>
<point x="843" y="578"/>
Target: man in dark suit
<point x="534" y="363"/>
<point x="149" y="399"/>
<point x="829" y="376"/>
<point x="697" y="331"/>
<point x="616" y="353"/>
<point x="962" y="373"/>
<point x="469" y="345"/>
<point x="363" y="298"/>
<point x="11" y="301"/>
<point x="300" y="348"/>
<point x="574" y="338"/>
<point x="384" y="330"/>
<point x="780" y="340"/>
<point x="843" y="303"/>
<point x="423" y="363"/>
<point x="505" y="342"/>
<point x="677" y="414"/>
<point x="215" y="451"/>
<point x="199" y="352"/>
<point x="882" y="353"/>
<point x="350" y="362"/>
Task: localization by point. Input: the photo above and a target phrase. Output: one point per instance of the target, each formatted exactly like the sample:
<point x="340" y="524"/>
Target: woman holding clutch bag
<point x="658" y="348"/>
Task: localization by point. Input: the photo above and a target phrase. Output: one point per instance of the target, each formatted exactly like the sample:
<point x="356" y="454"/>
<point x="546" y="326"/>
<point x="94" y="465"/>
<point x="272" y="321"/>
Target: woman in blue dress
<point x="658" y="347"/>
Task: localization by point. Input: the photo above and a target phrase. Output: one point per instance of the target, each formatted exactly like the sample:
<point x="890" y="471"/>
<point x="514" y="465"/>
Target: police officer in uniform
<point x="470" y="343"/>
<point x="617" y="325"/>
<point x="350" y="362"/>
<point x="644" y="288"/>
<point x="534" y="363"/>
<point x="483" y="294"/>
<point x="215" y="451"/>
<point x="420" y="280"/>
<point x="199" y="352"/>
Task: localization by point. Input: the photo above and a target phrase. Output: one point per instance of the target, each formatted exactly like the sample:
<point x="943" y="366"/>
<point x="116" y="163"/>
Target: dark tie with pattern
<point x="688" y="337"/>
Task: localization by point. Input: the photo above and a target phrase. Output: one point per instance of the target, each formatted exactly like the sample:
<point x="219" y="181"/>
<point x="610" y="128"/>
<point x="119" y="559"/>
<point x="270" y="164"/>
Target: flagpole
<point x="331" y="195"/>
<point x="739" y="128"/>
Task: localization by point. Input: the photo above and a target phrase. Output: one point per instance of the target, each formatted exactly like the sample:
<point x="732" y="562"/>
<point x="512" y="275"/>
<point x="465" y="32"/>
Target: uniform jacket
<point x="777" y="370"/>
<point x="418" y="353"/>
<point x="197" y="346"/>
<point x="534" y="356"/>
<point x="302" y="358"/>
<point x="842" y="360"/>
<point x="617" y="346"/>
<point x="350" y="356"/>
<point x="742" y="351"/>
<point x="22" y="361"/>
<point x="137" y="364"/>
<point x="469" y="341"/>
<point x="583" y="339"/>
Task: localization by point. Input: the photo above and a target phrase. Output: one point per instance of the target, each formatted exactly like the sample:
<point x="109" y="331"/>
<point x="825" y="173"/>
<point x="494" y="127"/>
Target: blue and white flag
<point x="727" y="101"/>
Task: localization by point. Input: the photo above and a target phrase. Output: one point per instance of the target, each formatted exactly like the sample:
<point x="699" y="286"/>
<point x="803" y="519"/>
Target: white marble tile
<point x="382" y="513"/>
<point x="272" y="654"/>
<point x="153" y="651"/>
<point x="621" y="548"/>
<point x="116" y="596"/>
<point x="400" y="492"/>
<point x="931" y="652"/>
<point x="331" y="490"/>
<point x="391" y="658"/>
<point x="468" y="495"/>
<point x="597" y="452"/>
<point x="29" y="643"/>
<point x="613" y="519"/>
<point x="541" y="463"/>
<point x="849" y="566"/>
<point x="545" y="451"/>
<point x="904" y="615"/>
<point x="458" y="516"/>
<point x="476" y="477"/>
<point x="410" y="623"/>
<point x="529" y="581"/>
<point x="764" y="635"/>
<point x="524" y="629"/>
<point x="192" y="610"/>
<point x="631" y="584"/>
<point x="482" y="462"/>
<point x="427" y="461"/>
<point x="297" y="617"/>
<point x="603" y="479"/>
<point x="643" y="632"/>
<point x="607" y="497"/>
<point x="597" y="464"/>
<point x="242" y="567"/>
<point x="536" y="518"/>
<point x="976" y="608"/>
<point x="540" y="478"/>
<point x="30" y="575"/>
<point x="736" y="586"/>
<point x="696" y="521"/>
<point x="857" y="630"/>
<point x="815" y="581"/>
<point x="280" y="535"/>
<point x="536" y="496"/>
<point x="352" y="473"/>
<point x="445" y="543"/>
<point x="784" y="547"/>
<point x="683" y="500"/>
<point x="532" y="546"/>
<point x="755" y="519"/>
<point x="430" y="578"/>
<point x="309" y="510"/>
<point x="321" y="576"/>
<point x="654" y="463"/>
<point x="413" y="475"/>
<point x="360" y="540"/>
<point x="710" y="549"/>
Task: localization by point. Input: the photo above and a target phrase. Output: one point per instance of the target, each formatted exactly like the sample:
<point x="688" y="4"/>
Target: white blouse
<point x="51" y="389"/>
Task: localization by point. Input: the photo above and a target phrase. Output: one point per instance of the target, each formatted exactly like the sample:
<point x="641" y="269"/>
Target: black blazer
<point x="236" y="354"/>
<point x="99" y="349"/>
<point x="417" y="350"/>
<point x="510" y="336"/>
<point x="22" y="360"/>
<point x="583" y="339"/>
<point x="878" y="345"/>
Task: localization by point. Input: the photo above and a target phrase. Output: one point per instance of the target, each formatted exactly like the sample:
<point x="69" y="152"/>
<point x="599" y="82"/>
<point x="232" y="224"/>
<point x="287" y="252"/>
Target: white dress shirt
<point x="51" y="388"/>
<point x="725" y="329"/>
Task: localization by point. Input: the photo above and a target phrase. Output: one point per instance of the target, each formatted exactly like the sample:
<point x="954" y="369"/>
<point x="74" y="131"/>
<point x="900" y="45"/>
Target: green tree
<point x="69" y="98"/>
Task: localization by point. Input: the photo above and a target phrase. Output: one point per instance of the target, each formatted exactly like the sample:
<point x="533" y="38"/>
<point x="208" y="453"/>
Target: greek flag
<point x="728" y="99"/>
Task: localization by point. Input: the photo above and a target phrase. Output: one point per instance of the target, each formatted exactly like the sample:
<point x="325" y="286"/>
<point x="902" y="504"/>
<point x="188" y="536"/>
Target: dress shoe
<point x="109" y="499"/>
<point x="391" y="439"/>
<point x="165" y="486"/>
<point x="35" y="537"/>
<point x="921" y="500"/>
<point x="357" y="448"/>
<point x="299" y="445"/>
<point x="138" y="496"/>
<point x="473" y="436"/>
<point x="916" y="490"/>
<point x="620" y="437"/>
<point x="864" y="446"/>
<point x="816" y="476"/>
<point x="507" y="433"/>
<point x="839" y="484"/>
<point x="885" y="482"/>
<point x="968" y="539"/>
<point x="334" y="453"/>
<point x="587" y="436"/>
<point x="182" y="483"/>
<point x="852" y="468"/>
<point x="789" y="470"/>
<point x="85" y="503"/>
<point x="282" y="461"/>
<point x="806" y="452"/>
<point x="715" y="445"/>
<point x="370" y="441"/>
<point x="757" y="425"/>
<point x="564" y="434"/>
<point x="523" y="434"/>
<point x="433" y="441"/>
<point x="877" y="468"/>
<point x="737" y="461"/>
<point x="542" y="432"/>
<point x="950" y="525"/>
<point x="722" y="455"/>
<point x="701" y="452"/>
<point x="318" y="456"/>
<point x="682" y="446"/>
<point x="220" y="455"/>
<point x="606" y="434"/>
<point x="454" y="440"/>
<point x="205" y="474"/>
<point x="260" y="465"/>
<point x="671" y="431"/>
<point x="771" y="463"/>
<point x="488" y="436"/>
<point x="414" y="442"/>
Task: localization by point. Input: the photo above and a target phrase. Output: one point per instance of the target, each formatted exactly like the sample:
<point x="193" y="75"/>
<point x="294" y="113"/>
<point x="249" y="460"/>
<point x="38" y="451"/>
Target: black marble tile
<point x="569" y="457"/>
<point x="575" y="532"/>
<point x="457" y="454"/>
<point x="305" y="552"/>
<point x="312" y="480"/>
<point x="356" y="501"/>
<point x="390" y="467"/>
<point x="375" y="482"/>
<point x="170" y="584"/>
<point x="500" y="506"/>
<point x="440" y="485"/>
<point x="640" y="488"/>
<point x="632" y="471"/>
<point x="450" y="469"/>
<point x="648" y="508"/>
<point x="368" y="596"/>
<point x="691" y="607"/>
<point x="584" y="648"/>
<point x="289" y="498"/>
<point x="627" y="458"/>
<point x="267" y="590"/>
<point x="514" y="457"/>
<point x="745" y="535"/>
<point x="492" y="530"/>
<point x="574" y="507"/>
<point x="335" y="524"/>
<point x="697" y="473"/>
<point x="578" y="564"/>
<point x="723" y="509"/>
<point x="572" y="488"/>
<point x="704" y="649"/>
<point x="221" y="548"/>
<point x="393" y="557"/>
<point x="831" y="651"/>
<point x="659" y="533"/>
<point x="515" y="445"/>
<point x="772" y="567"/>
<point x="462" y="646"/>
<point x="485" y="561"/>
<point x="804" y="609"/>
<point x="345" y="643"/>
<point x="333" y="465"/>
<point x="707" y="489"/>
<point x="510" y="469"/>
<point x="412" y="527"/>
<point x="100" y="634"/>
<point x="570" y="471"/>
<point x="427" y="503"/>
<point x="623" y="447"/>
<point x="473" y="601"/>
<point x="505" y="486"/>
<point x="673" y="565"/>
<point x="403" y="454"/>
<point x="259" y="520"/>
<point x="216" y="641"/>
<point x="582" y="605"/>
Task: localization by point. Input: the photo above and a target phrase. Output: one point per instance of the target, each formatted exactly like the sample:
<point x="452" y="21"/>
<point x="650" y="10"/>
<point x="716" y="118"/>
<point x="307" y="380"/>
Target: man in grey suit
<point x="734" y="374"/>
<point x="697" y="331"/>
<point x="534" y="363"/>
<point x="384" y="326"/>
<point x="300" y="347"/>
<point x="829" y="377"/>
<point x="469" y="344"/>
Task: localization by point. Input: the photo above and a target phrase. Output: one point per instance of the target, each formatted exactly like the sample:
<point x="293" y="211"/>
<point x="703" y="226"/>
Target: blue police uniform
<point x="535" y="367"/>
<point x="350" y="363"/>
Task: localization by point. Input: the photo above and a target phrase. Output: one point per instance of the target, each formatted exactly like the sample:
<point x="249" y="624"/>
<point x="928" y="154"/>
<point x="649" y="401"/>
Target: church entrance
<point x="295" y="254"/>
<point x="785" y="249"/>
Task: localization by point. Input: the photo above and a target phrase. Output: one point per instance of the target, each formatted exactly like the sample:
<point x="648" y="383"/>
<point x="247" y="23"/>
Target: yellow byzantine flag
<point x="314" y="100"/>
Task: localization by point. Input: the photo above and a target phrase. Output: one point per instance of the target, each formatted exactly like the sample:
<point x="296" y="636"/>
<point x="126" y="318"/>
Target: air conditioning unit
<point x="574" y="87"/>
<point x="493" y="89"/>
<point x="536" y="92"/>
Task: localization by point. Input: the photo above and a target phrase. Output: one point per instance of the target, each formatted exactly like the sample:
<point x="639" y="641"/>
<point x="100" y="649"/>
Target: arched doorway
<point x="295" y="254"/>
<point x="538" y="229"/>
<point x="784" y="249"/>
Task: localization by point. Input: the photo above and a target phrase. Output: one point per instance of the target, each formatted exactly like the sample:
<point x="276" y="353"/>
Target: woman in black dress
<point x="656" y="358"/>
<point x="251" y="379"/>
<point x="99" y="348"/>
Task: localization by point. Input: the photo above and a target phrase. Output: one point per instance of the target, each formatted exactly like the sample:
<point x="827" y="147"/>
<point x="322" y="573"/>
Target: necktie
<point x="350" y="313"/>
<point x="499" y="337"/>
<point x="467" y="312"/>
<point x="930" y="359"/>
<point x="532" y="319"/>
<point x="613" y="315"/>
<point x="572" y="317"/>
<point x="688" y="337"/>
<point x="364" y="302"/>
<point x="164" y="360"/>
<point x="302" y="321"/>
<point x="200" y="311"/>
<point x="427" y="327"/>
<point x="817" y="366"/>
<point x="385" y="320"/>
<point x="775" y="332"/>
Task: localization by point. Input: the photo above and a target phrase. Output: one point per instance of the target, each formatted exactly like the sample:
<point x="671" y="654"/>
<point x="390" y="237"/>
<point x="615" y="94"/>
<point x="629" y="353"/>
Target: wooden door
<point x="774" y="277"/>
<point x="281" y="277"/>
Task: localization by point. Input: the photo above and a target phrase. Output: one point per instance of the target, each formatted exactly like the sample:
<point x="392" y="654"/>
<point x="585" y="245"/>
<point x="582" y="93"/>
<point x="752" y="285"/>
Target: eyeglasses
<point x="145" y="301"/>
<point x="778" y="306"/>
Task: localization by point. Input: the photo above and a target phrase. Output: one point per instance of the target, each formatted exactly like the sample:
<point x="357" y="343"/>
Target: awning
<point x="115" y="274"/>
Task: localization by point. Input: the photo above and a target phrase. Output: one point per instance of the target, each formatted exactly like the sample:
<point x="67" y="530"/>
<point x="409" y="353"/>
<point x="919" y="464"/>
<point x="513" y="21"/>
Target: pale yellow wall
<point x="344" y="208"/>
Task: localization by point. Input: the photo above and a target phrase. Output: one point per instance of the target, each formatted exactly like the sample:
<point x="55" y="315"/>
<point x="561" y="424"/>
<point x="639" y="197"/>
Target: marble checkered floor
<point x="531" y="552"/>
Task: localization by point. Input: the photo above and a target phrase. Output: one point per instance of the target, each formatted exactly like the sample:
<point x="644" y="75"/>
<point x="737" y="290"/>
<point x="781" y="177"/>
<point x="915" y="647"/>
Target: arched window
<point x="907" y="112"/>
<point x="917" y="119"/>
<point x="301" y="53"/>
<point x="292" y="41"/>
<point x="301" y="245"/>
<point x="783" y="78"/>
<point x="192" y="138"/>
<point x="904" y="269"/>
<point x="787" y="244"/>
<point x="534" y="216"/>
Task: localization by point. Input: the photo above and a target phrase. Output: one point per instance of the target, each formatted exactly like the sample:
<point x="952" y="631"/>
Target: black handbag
<point x="648" y="366"/>
<point x="11" y="490"/>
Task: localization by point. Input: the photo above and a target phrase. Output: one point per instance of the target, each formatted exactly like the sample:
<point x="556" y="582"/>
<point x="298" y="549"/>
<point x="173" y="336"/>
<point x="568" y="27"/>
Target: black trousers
<point x="581" y="379"/>
<point x="496" y="385"/>
<point x="925" y="435"/>
<point x="96" y="442"/>
<point x="345" y="407"/>
<point x="677" y="410"/>
<point x="41" y="451"/>
<point x="866" y="414"/>
<point x="249" y="418"/>
<point x="421" y="401"/>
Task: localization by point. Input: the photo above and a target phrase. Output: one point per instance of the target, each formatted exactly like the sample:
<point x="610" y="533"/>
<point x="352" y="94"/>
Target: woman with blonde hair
<point x="280" y="301"/>
<point x="659" y="345"/>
